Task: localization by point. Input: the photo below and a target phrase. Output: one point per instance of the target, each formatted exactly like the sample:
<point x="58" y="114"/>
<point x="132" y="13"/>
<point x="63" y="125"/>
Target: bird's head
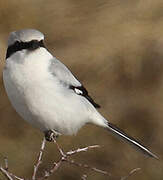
<point x="29" y="39"/>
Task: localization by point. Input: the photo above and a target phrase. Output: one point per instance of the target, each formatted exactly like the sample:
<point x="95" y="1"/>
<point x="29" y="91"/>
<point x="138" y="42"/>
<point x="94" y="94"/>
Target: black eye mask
<point x="18" y="46"/>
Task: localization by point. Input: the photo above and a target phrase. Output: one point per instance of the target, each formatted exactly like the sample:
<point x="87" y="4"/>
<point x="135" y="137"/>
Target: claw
<point x="51" y="134"/>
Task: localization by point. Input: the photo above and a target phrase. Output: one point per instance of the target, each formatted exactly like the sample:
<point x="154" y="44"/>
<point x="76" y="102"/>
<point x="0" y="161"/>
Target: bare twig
<point x="88" y="167"/>
<point x="69" y="153"/>
<point x="84" y="177"/>
<point x="6" y="173"/>
<point x="130" y="173"/>
<point x="56" y="165"/>
<point x="39" y="159"/>
<point x="64" y="157"/>
<point x="16" y="177"/>
<point x="6" y="163"/>
<point x="58" y="147"/>
<point x="54" y="168"/>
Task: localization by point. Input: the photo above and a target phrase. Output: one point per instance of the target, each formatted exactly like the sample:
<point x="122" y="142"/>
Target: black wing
<point x="81" y="90"/>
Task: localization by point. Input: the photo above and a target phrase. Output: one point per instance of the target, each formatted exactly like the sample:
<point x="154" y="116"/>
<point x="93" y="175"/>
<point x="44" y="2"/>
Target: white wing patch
<point x="78" y="91"/>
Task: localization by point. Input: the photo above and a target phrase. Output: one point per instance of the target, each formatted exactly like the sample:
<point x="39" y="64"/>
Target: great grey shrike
<point x="46" y="94"/>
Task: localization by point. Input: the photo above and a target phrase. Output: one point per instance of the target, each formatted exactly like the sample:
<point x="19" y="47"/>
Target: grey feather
<point x="63" y="73"/>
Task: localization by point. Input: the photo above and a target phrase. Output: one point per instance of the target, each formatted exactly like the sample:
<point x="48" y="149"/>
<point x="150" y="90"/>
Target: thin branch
<point x="39" y="159"/>
<point x="130" y="173"/>
<point x="56" y="165"/>
<point x="58" y="147"/>
<point x="69" y="153"/>
<point x="64" y="157"/>
<point x="72" y="152"/>
<point x="88" y="167"/>
<point x="6" y="163"/>
<point x="54" y="168"/>
<point x="6" y="173"/>
<point x="84" y="177"/>
<point x="16" y="177"/>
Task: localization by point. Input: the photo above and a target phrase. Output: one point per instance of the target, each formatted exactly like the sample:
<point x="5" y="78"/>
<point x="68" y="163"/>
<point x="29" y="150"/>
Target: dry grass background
<point x="115" y="48"/>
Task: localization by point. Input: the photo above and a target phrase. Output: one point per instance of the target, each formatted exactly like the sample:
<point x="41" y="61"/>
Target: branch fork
<point x="64" y="157"/>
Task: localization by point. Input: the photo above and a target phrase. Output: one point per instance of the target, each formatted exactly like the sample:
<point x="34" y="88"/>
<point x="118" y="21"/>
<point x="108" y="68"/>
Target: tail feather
<point x="118" y="132"/>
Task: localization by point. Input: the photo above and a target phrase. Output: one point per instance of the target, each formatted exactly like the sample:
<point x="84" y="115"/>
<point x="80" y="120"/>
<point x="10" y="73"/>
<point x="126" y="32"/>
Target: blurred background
<point x="115" y="48"/>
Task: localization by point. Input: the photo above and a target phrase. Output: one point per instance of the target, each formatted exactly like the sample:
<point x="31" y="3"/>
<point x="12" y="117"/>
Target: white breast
<point x="39" y="98"/>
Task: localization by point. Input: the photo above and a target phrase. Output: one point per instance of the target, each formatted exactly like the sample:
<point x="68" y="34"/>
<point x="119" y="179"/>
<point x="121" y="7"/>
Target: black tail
<point x="116" y="131"/>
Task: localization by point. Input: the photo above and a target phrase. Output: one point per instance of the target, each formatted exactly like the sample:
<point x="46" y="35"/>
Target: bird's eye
<point x="17" y="43"/>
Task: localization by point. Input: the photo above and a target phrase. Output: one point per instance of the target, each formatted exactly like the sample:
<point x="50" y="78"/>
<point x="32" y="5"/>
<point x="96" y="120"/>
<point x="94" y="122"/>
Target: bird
<point x="45" y="93"/>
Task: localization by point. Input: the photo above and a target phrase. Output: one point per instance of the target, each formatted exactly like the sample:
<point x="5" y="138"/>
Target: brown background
<point x="115" y="48"/>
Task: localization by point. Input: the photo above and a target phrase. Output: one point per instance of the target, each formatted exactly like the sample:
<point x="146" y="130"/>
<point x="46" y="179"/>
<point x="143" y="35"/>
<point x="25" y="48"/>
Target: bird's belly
<point x="44" y="104"/>
<point x="54" y="110"/>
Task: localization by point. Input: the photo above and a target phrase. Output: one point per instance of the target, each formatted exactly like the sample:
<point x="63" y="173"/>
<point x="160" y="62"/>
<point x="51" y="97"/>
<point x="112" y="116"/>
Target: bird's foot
<point x="50" y="135"/>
